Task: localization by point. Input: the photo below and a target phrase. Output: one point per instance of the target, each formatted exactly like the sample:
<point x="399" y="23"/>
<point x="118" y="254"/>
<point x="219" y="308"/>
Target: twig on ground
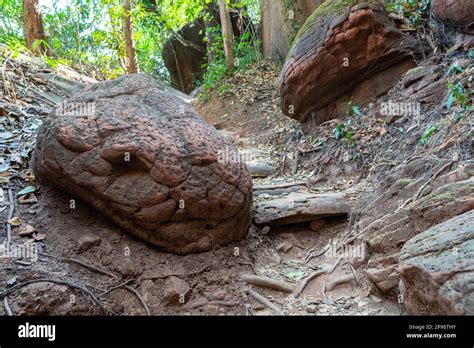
<point x="56" y="281"/>
<point x="248" y="310"/>
<point x="305" y="282"/>
<point x="262" y="300"/>
<point x="86" y="265"/>
<point x="422" y="188"/>
<point x="331" y="284"/>
<point x="350" y="240"/>
<point x="313" y="253"/>
<point x="178" y="274"/>
<point x="266" y="282"/>
<point x="91" y="267"/>
<point x="203" y="303"/>
<point x="140" y="298"/>
<point x="105" y="292"/>
<point x="356" y="277"/>
<point x="7" y="306"/>
<point x="11" y="210"/>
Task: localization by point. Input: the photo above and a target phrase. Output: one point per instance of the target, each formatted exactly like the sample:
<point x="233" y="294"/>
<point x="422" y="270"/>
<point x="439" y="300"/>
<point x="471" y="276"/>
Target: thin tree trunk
<point x="227" y="34"/>
<point x="132" y="66"/>
<point x="211" y="21"/>
<point x="33" y="25"/>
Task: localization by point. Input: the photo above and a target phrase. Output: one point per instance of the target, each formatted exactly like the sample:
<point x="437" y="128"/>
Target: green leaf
<point x="428" y="133"/>
<point x="450" y="100"/>
<point x="356" y="111"/>
<point x="454" y="68"/>
<point x="26" y="190"/>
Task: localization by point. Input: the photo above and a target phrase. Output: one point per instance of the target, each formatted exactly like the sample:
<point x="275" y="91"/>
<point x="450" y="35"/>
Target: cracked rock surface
<point x="437" y="269"/>
<point x="340" y="46"/>
<point x="149" y="162"/>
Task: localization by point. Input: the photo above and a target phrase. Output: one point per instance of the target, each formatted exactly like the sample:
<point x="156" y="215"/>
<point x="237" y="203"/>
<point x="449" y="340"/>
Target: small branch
<point x="91" y="267"/>
<point x="351" y="239"/>
<point x="305" y="282"/>
<point x="178" y="274"/>
<point x="422" y="188"/>
<point x="216" y="303"/>
<point x="83" y="264"/>
<point x="129" y="288"/>
<point x="56" y="281"/>
<point x="140" y="298"/>
<point x="105" y="292"/>
<point x="266" y="282"/>
<point x="331" y="284"/>
<point x="7" y="307"/>
<point x="262" y="300"/>
<point x="355" y="274"/>
<point x="313" y="253"/>
<point x="11" y="210"/>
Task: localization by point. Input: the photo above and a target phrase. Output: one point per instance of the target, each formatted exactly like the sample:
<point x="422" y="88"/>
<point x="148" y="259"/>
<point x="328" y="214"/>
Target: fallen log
<point x="262" y="300"/>
<point x="278" y="191"/>
<point x="303" y="206"/>
<point x="286" y="187"/>
<point x="266" y="282"/>
<point x="258" y="169"/>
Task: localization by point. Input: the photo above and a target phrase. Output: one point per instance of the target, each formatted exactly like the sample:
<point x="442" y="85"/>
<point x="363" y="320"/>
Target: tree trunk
<point x="303" y="206"/>
<point x="211" y="21"/>
<point x="132" y="67"/>
<point x="33" y="25"/>
<point x="227" y="34"/>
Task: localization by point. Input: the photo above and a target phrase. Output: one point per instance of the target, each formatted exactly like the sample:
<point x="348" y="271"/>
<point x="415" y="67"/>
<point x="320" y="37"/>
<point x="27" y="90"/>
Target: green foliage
<point x="454" y="69"/>
<point x="352" y="109"/>
<point x="88" y="34"/>
<point x="429" y="132"/>
<point x="339" y="131"/>
<point x="13" y="43"/>
<point x="342" y="131"/>
<point x="457" y="95"/>
<point x="11" y="22"/>
<point x="414" y="10"/>
<point x="458" y="98"/>
<point x="246" y="51"/>
<point x="11" y="26"/>
<point x="290" y="18"/>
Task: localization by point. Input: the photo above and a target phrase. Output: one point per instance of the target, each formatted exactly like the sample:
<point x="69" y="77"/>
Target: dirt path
<point x="88" y="265"/>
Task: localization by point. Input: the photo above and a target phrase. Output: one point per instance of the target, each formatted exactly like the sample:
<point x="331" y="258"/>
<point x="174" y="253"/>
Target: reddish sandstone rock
<point x="149" y="162"/>
<point x="339" y="47"/>
<point x="456" y="12"/>
<point x="387" y="225"/>
<point x="437" y="269"/>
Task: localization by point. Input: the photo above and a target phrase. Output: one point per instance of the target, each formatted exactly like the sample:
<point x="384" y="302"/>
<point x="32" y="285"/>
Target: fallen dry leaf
<point x="26" y="230"/>
<point x="14" y="221"/>
<point x="39" y="236"/>
<point x="31" y="198"/>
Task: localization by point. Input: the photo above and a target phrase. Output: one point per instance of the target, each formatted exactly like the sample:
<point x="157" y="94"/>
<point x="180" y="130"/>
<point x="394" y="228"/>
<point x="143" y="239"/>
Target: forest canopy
<point x="88" y="34"/>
